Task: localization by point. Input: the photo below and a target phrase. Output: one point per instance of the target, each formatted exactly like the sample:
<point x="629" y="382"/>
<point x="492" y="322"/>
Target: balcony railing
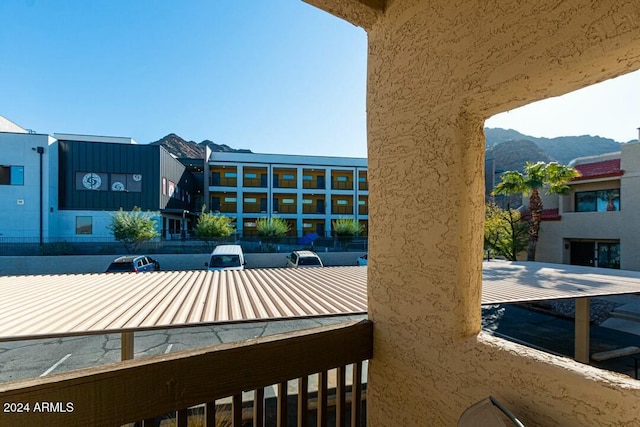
<point x="223" y="182"/>
<point x="285" y="184"/>
<point x="313" y="184"/>
<point x="187" y="384"/>
<point x="253" y="209"/>
<point x="341" y="209"/>
<point x="363" y="210"/>
<point x="224" y="207"/>
<point x="252" y="182"/>
<point x="313" y="210"/>
<point x="286" y="209"/>
<point x="342" y="185"/>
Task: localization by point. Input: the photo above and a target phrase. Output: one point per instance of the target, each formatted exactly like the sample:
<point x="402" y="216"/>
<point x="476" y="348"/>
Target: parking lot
<point x="36" y="358"/>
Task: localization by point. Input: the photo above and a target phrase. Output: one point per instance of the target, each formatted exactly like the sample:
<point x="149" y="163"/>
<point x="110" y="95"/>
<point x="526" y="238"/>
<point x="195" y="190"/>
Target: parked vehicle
<point x="362" y="260"/>
<point x="303" y="259"/>
<point x="133" y="264"/>
<point x="226" y="257"/>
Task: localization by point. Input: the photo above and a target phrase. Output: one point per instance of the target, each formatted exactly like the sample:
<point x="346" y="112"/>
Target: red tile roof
<point x="602" y="169"/>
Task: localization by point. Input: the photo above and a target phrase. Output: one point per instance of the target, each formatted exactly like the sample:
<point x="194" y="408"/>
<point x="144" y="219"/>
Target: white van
<point x="226" y="257"/>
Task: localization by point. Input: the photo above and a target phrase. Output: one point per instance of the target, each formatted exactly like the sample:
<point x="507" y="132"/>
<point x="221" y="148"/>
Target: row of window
<point x="289" y="177"/>
<point x="173" y="190"/>
<point x="289" y="201"/>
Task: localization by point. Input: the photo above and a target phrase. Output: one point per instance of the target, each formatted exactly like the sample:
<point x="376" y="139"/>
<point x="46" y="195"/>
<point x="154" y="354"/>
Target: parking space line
<point x="48" y="371"/>
<point x="168" y="348"/>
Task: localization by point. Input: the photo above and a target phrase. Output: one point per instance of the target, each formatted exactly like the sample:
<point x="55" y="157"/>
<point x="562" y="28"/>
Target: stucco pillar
<point x="426" y="217"/>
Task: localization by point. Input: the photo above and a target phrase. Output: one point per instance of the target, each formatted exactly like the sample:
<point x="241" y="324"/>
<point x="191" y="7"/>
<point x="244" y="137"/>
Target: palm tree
<point x="553" y="176"/>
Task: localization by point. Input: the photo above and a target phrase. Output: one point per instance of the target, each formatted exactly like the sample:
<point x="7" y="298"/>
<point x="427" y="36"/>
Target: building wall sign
<point x="92" y="181"/>
<point x="97" y="181"/>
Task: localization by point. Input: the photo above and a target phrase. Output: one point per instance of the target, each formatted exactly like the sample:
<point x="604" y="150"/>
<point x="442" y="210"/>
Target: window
<point x="307" y="225"/>
<point x="362" y="179"/>
<point x="342" y="178"/>
<point x="230" y="199"/>
<point x="231" y="175"/>
<point x="126" y="182"/>
<point x="288" y="176"/>
<point x="288" y="201"/>
<point x="84" y="225"/>
<point x="11" y="175"/>
<point x="307" y="178"/>
<point x="307" y="201"/>
<point x="250" y="200"/>
<point x="609" y="255"/>
<point x="342" y="202"/>
<point x="362" y="202"/>
<point x="598" y="201"/>
<point x="250" y="175"/>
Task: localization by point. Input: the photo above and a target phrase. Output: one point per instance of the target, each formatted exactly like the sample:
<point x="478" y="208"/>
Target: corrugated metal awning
<point x="45" y="306"/>
<point x="58" y="305"/>
<point x="509" y="282"/>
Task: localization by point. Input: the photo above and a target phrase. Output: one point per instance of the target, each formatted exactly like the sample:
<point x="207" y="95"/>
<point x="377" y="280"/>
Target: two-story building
<point x="595" y="224"/>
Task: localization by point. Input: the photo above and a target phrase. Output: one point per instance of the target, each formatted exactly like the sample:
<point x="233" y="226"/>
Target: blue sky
<point x="276" y="76"/>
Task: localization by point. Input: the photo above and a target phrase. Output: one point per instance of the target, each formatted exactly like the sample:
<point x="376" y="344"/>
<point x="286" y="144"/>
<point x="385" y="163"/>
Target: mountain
<point x="179" y="147"/>
<point x="561" y="149"/>
<point x="508" y="149"/>
<point x="512" y="155"/>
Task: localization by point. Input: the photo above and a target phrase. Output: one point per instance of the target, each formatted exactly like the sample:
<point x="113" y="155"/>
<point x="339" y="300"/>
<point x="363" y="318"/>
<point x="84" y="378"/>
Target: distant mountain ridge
<point x="507" y="149"/>
<point x="562" y="149"/>
<point x="182" y="148"/>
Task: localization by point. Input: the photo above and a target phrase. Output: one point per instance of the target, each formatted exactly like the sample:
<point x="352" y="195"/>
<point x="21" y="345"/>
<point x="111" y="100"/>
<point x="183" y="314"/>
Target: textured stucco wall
<point x="436" y="71"/>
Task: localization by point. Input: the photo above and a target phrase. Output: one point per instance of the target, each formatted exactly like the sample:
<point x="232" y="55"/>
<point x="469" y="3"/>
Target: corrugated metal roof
<point x="53" y="305"/>
<point x="505" y="282"/>
<point x="56" y="305"/>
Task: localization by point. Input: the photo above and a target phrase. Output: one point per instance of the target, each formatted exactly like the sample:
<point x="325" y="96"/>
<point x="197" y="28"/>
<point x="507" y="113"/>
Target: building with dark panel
<point x="67" y="187"/>
<point x="99" y="175"/>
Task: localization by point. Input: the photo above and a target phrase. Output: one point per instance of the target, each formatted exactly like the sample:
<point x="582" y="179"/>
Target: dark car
<point x="133" y="263"/>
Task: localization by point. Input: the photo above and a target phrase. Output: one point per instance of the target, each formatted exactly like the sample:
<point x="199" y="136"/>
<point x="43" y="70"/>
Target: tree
<point x="504" y="232"/>
<point x="211" y="227"/>
<point x="271" y="230"/>
<point x="345" y="229"/>
<point x="133" y="228"/>
<point x="553" y="176"/>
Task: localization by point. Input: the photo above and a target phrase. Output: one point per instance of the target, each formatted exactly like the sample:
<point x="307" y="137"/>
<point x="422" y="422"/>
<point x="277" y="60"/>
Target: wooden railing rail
<point x="143" y="389"/>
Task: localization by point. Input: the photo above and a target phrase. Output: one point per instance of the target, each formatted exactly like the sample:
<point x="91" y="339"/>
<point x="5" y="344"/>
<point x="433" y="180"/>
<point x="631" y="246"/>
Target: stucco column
<point x="426" y="217"/>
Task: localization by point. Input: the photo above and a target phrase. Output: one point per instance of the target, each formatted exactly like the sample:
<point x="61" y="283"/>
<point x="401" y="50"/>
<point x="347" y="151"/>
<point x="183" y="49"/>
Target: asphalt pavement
<point x="555" y="334"/>
<point x="35" y="358"/>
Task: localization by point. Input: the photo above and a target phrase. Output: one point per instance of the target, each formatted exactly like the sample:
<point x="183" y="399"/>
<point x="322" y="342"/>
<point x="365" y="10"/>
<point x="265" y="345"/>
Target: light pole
<point x="40" y="151"/>
<point x="184" y="223"/>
